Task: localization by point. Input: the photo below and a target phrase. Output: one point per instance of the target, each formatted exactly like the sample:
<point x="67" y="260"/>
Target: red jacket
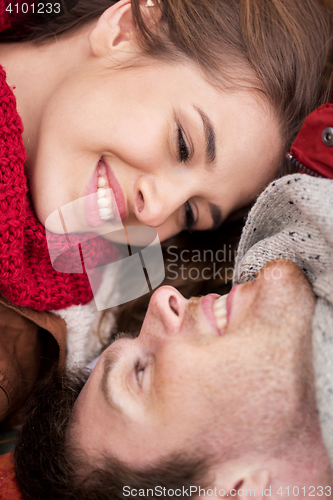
<point x="312" y="150"/>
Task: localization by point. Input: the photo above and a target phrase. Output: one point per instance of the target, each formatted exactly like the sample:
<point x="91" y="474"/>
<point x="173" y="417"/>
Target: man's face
<point x="184" y="381"/>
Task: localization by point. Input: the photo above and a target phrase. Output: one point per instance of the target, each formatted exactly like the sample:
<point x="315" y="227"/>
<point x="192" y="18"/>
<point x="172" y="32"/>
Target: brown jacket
<point x="31" y="342"/>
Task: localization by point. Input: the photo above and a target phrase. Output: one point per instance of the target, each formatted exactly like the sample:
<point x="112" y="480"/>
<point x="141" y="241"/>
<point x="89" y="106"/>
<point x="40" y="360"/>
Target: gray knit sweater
<point x="293" y="218"/>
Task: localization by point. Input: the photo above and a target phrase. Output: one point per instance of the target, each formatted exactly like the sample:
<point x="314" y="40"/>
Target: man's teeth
<point x="101" y="193"/>
<point x="220" y="311"/>
<point x="101" y="182"/>
<point x="103" y="201"/>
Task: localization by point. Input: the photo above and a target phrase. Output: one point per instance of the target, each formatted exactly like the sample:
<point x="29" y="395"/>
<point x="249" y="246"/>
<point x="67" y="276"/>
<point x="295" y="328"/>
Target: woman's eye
<point x="139" y="371"/>
<point x="189" y="217"/>
<point x="183" y="150"/>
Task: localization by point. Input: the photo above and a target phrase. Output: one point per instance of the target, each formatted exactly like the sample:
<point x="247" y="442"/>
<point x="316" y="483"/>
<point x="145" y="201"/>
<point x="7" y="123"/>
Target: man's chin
<point x="283" y="279"/>
<point x="282" y="270"/>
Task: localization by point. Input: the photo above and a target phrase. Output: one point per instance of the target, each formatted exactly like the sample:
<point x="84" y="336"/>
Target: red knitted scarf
<point x="27" y="277"/>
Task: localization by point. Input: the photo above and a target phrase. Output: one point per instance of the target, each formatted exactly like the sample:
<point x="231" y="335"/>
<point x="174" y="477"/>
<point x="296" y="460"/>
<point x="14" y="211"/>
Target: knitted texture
<point x="293" y="219"/>
<point x="27" y="277"/>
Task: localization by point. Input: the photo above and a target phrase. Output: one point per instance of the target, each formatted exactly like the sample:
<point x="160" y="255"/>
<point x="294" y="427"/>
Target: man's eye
<point x="139" y="371"/>
<point x="189" y="217"/>
<point x="183" y="150"/>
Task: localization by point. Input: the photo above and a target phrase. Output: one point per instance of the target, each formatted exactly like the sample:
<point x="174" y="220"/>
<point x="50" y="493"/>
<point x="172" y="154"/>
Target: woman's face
<point x="176" y="151"/>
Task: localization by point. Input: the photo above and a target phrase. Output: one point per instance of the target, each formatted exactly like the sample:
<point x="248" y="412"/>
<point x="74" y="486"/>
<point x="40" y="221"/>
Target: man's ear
<point x="114" y="31"/>
<point x="243" y="482"/>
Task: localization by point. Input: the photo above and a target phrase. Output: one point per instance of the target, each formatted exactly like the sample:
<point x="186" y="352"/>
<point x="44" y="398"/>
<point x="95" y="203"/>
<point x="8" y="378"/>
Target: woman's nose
<point x="168" y="306"/>
<point x="156" y="199"/>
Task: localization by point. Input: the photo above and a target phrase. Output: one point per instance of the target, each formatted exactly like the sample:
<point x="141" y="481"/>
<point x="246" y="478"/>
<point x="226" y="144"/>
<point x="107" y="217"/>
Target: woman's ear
<point x="114" y="31"/>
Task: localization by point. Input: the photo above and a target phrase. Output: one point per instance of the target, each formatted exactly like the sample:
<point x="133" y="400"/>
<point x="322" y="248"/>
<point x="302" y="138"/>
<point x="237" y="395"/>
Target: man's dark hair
<point x="48" y="467"/>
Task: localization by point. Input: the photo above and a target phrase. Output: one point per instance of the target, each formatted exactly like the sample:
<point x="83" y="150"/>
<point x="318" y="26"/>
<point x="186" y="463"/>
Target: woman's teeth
<point x="220" y="311"/>
<point x="103" y="200"/>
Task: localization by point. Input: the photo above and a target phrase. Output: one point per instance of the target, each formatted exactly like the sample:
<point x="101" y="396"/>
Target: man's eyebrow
<point x="108" y="365"/>
<point x="209" y="136"/>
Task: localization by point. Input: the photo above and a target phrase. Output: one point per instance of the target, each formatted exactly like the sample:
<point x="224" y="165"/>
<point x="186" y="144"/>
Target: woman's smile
<point x="104" y="200"/>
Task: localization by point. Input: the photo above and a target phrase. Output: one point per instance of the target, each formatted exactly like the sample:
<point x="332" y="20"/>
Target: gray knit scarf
<point x="293" y="219"/>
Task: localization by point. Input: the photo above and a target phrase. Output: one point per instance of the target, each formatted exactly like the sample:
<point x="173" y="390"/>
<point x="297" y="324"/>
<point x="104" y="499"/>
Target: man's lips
<point x="207" y="304"/>
<point x="117" y="191"/>
<point x="218" y="310"/>
<point x="230" y="300"/>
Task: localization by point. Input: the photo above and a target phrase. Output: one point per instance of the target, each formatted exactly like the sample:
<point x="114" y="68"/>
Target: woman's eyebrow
<point x="216" y="214"/>
<point x="209" y="136"/>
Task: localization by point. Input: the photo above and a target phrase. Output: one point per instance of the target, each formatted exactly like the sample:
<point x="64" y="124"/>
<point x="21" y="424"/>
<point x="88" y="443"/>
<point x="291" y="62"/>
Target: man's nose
<point x="155" y="199"/>
<point x="168" y="306"/>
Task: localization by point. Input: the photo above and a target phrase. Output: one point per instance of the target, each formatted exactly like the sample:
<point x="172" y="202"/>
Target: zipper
<point x="302" y="168"/>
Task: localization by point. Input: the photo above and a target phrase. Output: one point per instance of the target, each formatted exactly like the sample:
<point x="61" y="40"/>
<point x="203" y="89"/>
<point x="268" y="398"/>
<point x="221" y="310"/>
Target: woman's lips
<point x="117" y="191"/>
<point x="91" y="211"/>
<point x="91" y="208"/>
